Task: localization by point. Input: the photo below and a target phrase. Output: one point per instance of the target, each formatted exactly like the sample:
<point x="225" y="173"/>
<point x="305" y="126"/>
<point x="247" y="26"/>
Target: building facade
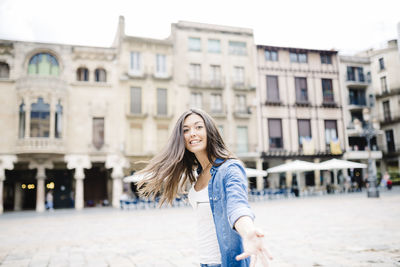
<point x="385" y="69"/>
<point x="77" y="119"/>
<point x="214" y="69"/>
<point x="358" y="95"/>
<point x="301" y="111"/>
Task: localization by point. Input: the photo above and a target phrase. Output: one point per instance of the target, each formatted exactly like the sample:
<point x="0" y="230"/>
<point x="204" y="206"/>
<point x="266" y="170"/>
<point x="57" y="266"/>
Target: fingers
<point x="267" y="253"/>
<point x="259" y="233"/>
<point x="242" y="256"/>
<point x="253" y="260"/>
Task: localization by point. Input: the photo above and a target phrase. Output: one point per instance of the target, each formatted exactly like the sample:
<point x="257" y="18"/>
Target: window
<point x="275" y="133"/>
<point x="214" y="46"/>
<point x="4" y="70"/>
<point x="136" y="100"/>
<point x="326" y="59"/>
<point x="298" y="57"/>
<point x="40" y="119"/>
<point x="330" y="131"/>
<point x="301" y="90"/>
<point x="215" y="75"/>
<point x="58" y="121"/>
<point x="360" y="71"/>
<point x="22" y="114"/>
<point x="100" y="75"/>
<point x="98" y="132"/>
<point x="161" y="65"/>
<point x="351" y="74"/>
<point x="195" y="73"/>
<point x="196" y="100"/>
<point x="271" y="55"/>
<point x="391" y="147"/>
<point x="135" y="66"/>
<point x="272" y="88"/>
<point x="242" y="139"/>
<point x="304" y="127"/>
<point x="43" y="64"/>
<point x="357" y="97"/>
<point x="162" y="101"/>
<point x="237" y="48"/>
<point x="194" y="44"/>
<point x="241" y="104"/>
<point x="381" y="64"/>
<point x="327" y="91"/>
<point x="384" y="84"/>
<point x="216" y="103"/>
<point x="369" y="80"/>
<point x="386" y="111"/>
<point x="238" y="76"/>
<point x="82" y="74"/>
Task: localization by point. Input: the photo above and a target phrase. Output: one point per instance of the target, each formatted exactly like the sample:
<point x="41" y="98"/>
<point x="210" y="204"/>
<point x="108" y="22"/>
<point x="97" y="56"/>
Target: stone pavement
<point x="331" y="230"/>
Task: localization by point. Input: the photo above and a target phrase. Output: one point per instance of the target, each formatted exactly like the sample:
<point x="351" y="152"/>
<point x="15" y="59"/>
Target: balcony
<point x="362" y="154"/>
<point x="391" y="117"/>
<point x="211" y="84"/>
<point x="40" y="82"/>
<point x="243" y="113"/>
<point x="392" y="92"/>
<point x="242" y="86"/>
<point x="40" y="145"/>
<point x="357" y="103"/>
<point x="392" y="151"/>
<point x="356" y="82"/>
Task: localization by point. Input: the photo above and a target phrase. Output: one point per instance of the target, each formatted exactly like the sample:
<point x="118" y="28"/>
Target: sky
<point x="348" y="26"/>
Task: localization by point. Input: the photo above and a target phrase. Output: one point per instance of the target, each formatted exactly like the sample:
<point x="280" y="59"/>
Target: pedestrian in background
<point x="49" y="200"/>
<point x="227" y="236"/>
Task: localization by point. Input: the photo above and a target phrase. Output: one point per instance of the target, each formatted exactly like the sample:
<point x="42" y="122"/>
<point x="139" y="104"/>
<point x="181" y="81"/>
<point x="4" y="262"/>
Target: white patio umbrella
<point x="296" y="166"/>
<point x="254" y="172"/>
<point x="338" y="164"/>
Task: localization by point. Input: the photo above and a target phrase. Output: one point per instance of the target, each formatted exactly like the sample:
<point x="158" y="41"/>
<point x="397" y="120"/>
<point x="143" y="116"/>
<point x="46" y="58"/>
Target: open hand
<point x="254" y="247"/>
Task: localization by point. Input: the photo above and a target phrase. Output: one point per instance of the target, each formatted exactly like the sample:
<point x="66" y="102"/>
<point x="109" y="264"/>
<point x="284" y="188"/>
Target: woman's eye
<point x="185" y="130"/>
<point x="200" y="126"/>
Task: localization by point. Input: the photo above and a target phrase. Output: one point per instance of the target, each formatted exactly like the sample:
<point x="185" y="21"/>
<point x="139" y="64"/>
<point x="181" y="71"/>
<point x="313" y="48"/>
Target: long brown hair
<point x="169" y="171"/>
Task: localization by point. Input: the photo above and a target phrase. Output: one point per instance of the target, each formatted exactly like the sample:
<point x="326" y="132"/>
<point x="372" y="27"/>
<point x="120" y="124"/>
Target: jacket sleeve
<point x="235" y="182"/>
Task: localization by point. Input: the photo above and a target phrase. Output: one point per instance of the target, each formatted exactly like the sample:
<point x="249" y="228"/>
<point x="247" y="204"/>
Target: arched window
<point x="58" y="121"/>
<point x="4" y="70"/>
<point x="43" y="64"/>
<point x="100" y="75"/>
<point x="40" y="119"/>
<point x="21" y="128"/>
<point x="82" y="74"/>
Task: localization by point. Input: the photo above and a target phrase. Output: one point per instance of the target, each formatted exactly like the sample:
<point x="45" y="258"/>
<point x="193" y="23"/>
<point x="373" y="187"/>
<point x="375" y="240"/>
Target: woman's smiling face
<point x="195" y="134"/>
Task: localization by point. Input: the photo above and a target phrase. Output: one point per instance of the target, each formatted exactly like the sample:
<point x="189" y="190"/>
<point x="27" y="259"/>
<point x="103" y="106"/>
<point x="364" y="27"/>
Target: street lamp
<point x="368" y="131"/>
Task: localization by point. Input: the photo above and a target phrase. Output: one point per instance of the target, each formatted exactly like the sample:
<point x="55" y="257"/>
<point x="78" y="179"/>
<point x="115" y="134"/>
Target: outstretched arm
<point x="253" y="242"/>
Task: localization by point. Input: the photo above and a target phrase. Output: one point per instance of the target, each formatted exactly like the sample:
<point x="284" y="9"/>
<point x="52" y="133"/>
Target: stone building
<point x="214" y="69"/>
<point x="301" y="111"/>
<point x="77" y="119"/>
<point x="61" y="125"/>
<point x="358" y="95"/>
<point x="385" y="69"/>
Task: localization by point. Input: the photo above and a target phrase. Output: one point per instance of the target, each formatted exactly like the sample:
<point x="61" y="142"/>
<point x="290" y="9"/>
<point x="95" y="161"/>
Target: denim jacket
<point x="227" y="191"/>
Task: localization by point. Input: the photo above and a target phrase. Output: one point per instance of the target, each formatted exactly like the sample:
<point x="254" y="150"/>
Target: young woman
<point x="226" y="234"/>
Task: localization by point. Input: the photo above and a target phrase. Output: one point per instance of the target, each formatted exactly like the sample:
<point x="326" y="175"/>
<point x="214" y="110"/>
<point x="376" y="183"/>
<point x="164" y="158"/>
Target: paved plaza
<point x="330" y="230"/>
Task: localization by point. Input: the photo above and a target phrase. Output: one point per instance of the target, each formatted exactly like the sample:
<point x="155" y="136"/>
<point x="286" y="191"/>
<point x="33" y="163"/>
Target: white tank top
<point x="207" y="237"/>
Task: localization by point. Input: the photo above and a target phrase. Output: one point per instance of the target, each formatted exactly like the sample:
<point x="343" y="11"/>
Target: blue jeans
<point x="210" y="265"/>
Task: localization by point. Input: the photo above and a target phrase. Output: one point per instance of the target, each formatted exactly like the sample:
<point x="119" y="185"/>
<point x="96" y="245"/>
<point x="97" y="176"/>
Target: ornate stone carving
<point x="78" y="162"/>
<point x="6" y="163"/>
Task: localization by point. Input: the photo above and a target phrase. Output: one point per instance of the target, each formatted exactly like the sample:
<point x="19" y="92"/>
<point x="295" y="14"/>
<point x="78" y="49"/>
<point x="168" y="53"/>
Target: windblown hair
<point x="168" y="172"/>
